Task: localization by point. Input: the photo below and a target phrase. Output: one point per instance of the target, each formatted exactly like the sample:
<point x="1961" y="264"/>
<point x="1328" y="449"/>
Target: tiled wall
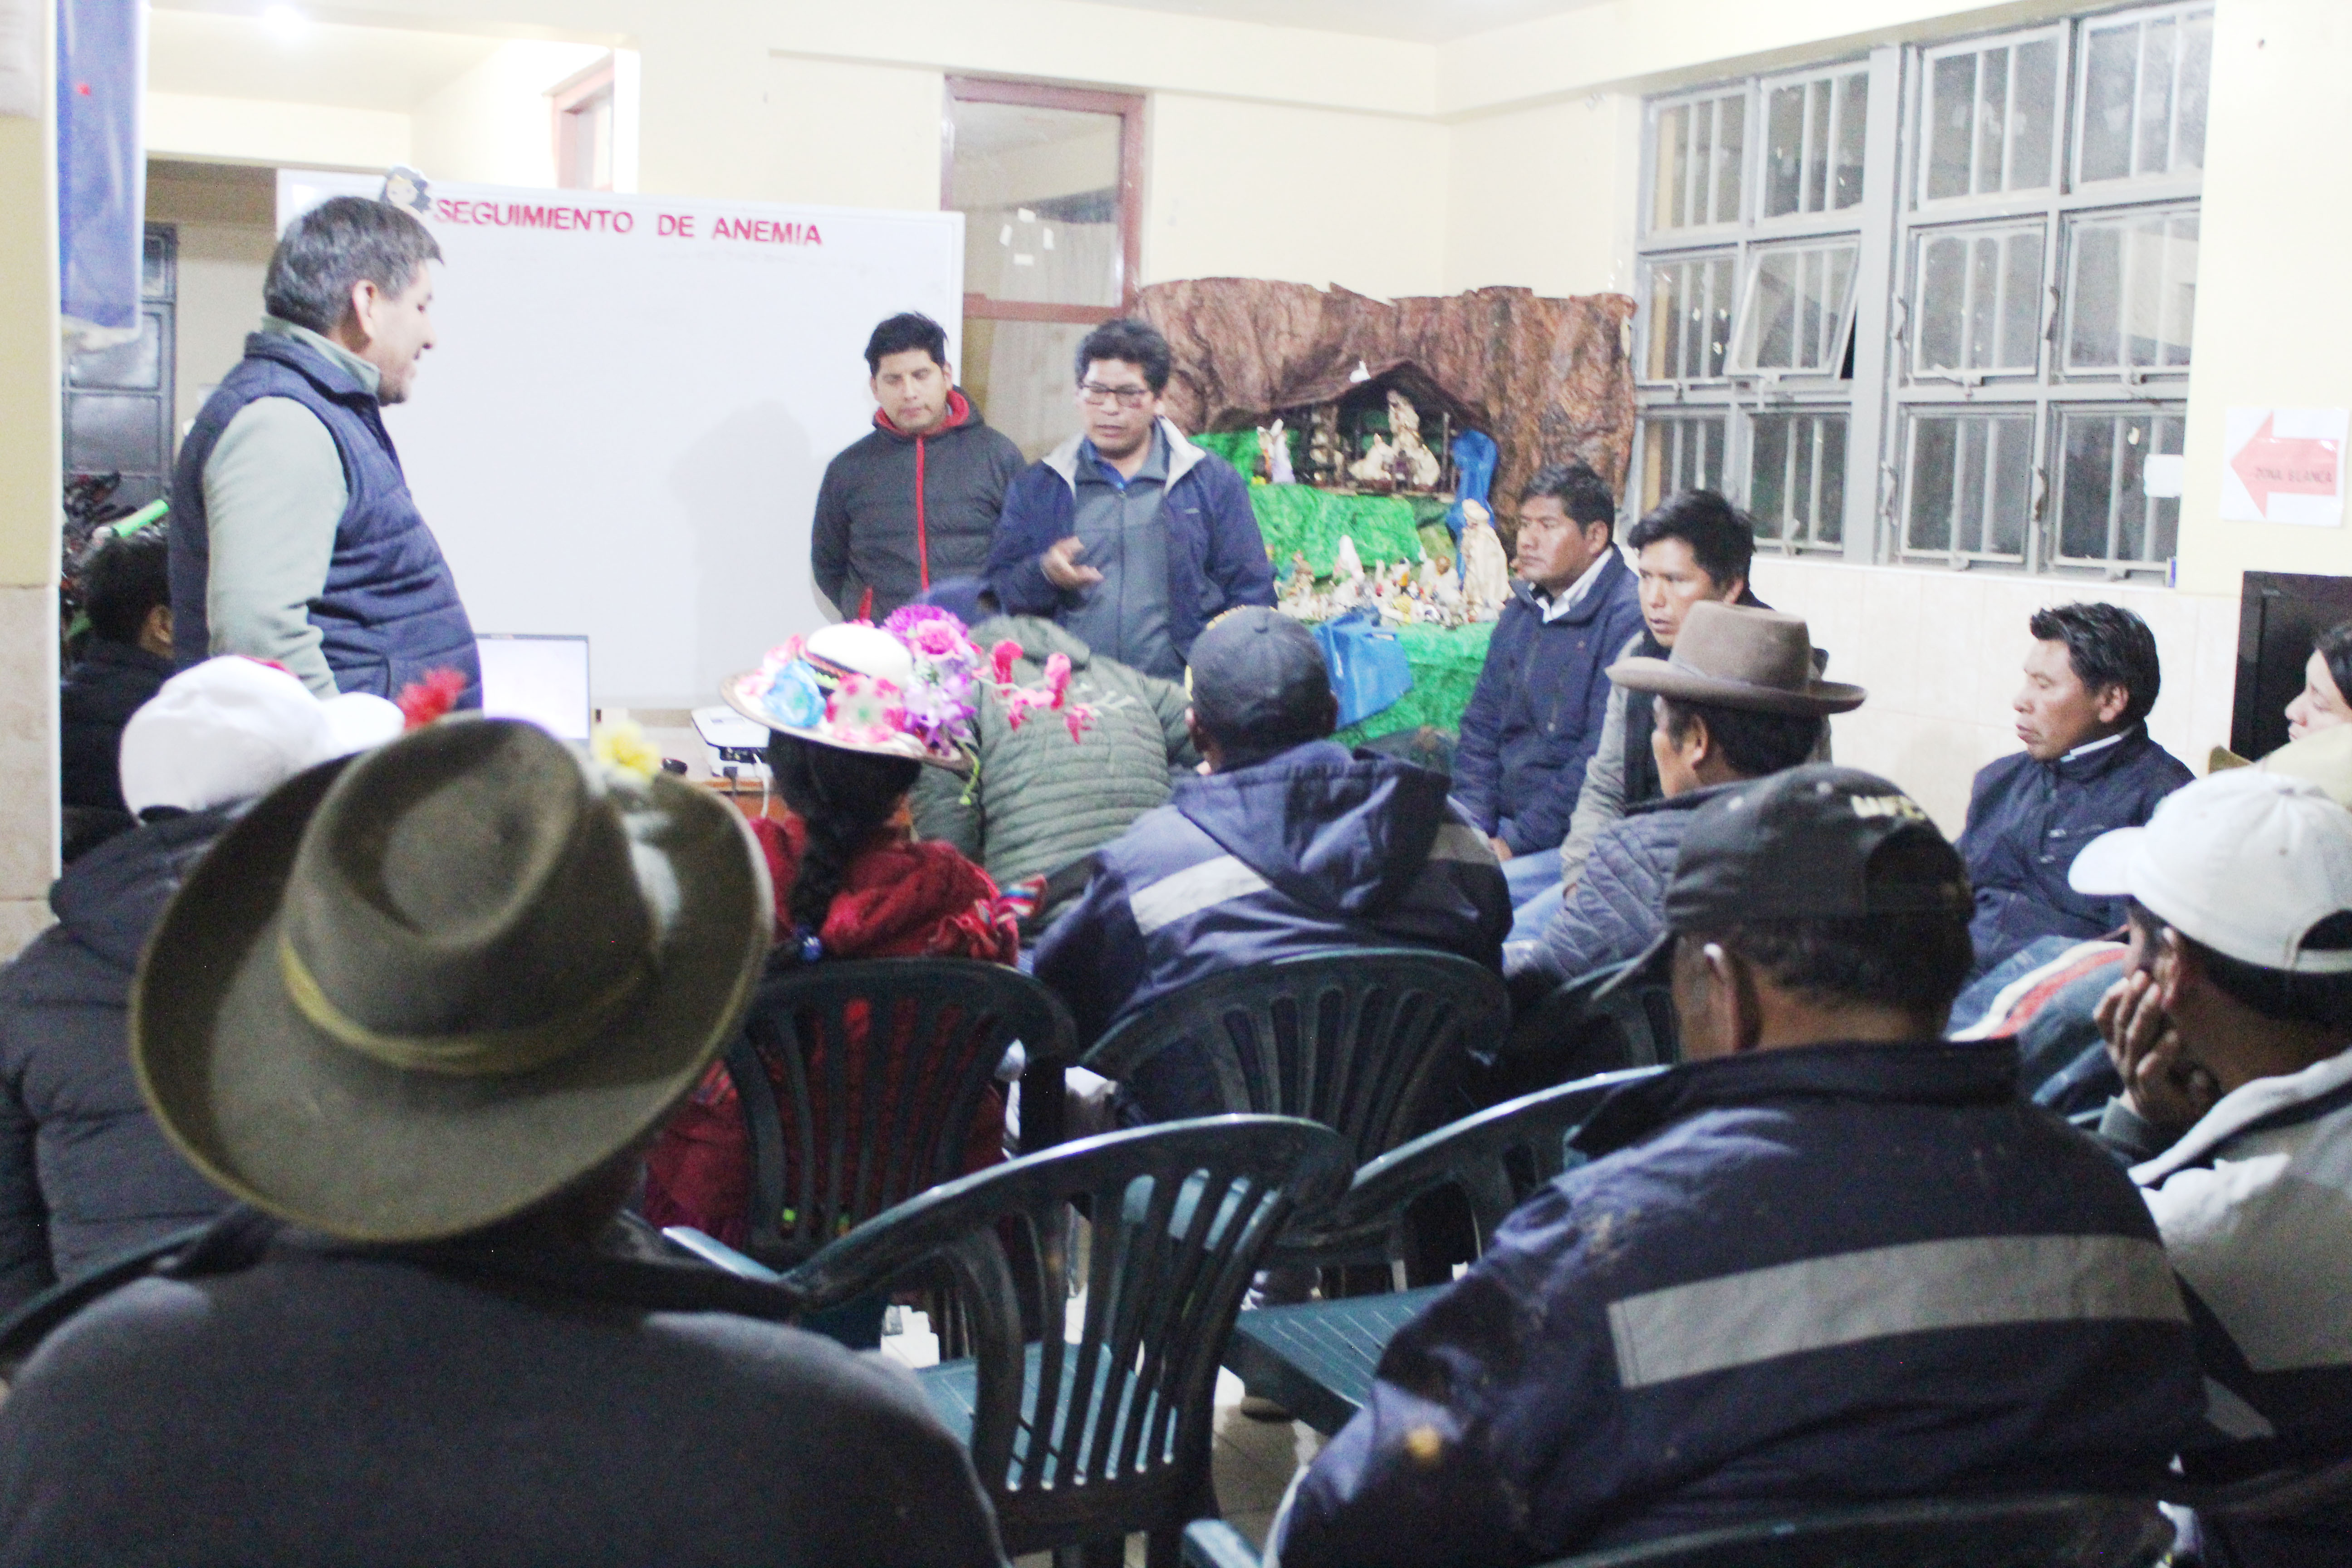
<point x="1940" y="651"/>
<point x="28" y="761"/>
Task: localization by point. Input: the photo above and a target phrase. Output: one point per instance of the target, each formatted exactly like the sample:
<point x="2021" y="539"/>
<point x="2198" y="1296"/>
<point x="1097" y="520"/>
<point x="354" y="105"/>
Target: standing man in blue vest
<point x="294" y="538"/>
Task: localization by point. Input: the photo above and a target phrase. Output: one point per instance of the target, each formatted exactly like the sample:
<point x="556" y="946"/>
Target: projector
<point x="739" y="746"/>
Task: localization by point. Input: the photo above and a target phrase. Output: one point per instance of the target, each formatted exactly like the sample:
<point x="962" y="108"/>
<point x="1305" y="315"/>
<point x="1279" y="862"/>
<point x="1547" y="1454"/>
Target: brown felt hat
<point x="411" y="995"/>
<point x="1757" y="660"/>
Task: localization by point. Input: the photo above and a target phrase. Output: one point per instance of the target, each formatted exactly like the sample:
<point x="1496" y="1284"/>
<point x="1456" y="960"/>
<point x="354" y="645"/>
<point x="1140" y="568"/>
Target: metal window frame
<point x="2050" y="391"/>
<point x="1807" y="542"/>
<point x="2070" y="225"/>
<point x="1837" y="218"/>
<point x="2079" y="88"/>
<point x="1916" y="240"/>
<point x="2114" y="570"/>
<point x="1923" y="59"/>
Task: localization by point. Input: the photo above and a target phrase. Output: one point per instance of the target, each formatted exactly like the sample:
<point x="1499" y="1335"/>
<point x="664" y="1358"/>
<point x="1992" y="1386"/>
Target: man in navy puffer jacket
<point x="1290" y="846"/>
<point x="1735" y="699"/>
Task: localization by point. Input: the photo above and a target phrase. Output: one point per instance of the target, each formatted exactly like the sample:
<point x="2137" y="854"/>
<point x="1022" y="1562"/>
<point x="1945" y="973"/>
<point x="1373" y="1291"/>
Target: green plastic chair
<point x="1606" y="1021"/>
<point x="1085" y="1436"/>
<point x="2062" y="1530"/>
<point x="1370" y="1041"/>
<point x="1318" y="1359"/>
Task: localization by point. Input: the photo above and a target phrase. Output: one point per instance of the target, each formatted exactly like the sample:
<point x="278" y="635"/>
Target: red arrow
<point x="2270" y="466"/>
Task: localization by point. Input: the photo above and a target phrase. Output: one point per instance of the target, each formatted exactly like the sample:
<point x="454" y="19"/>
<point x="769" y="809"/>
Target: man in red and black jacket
<point x="913" y="501"/>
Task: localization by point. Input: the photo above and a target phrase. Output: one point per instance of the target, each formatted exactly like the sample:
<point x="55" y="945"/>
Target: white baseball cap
<point x="2245" y="862"/>
<point x="230" y="729"/>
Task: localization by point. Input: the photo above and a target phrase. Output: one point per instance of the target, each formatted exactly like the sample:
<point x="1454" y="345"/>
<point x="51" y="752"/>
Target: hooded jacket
<point x="1788" y="1279"/>
<point x="1536" y="716"/>
<point x="898" y="513"/>
<point x="1216" y="556"/>
<point x="109" y="683"/>
<point x="84" y="1170"/>
<point x="1044" y="800"/>
<point x="2028" y="820"/>
<point x="1310" y="850"/>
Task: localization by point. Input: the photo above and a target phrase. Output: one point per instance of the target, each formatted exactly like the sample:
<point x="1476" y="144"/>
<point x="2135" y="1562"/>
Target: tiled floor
<point x="1253" y="1462"/>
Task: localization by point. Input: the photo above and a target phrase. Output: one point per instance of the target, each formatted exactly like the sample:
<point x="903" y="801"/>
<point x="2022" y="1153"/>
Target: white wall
<point x="495" y="125"/>
<point x="1568" y="230"/>
<point x="251" y="131"/>
<point x="226" y="230"/>
<point x="1307" y="196"/>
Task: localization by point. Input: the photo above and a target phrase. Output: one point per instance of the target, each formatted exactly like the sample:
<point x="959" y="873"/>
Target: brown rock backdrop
<point x="1547" y="378"/>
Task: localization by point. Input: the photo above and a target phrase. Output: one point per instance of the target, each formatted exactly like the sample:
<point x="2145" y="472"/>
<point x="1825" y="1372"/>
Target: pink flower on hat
<point x="864" y="710"/>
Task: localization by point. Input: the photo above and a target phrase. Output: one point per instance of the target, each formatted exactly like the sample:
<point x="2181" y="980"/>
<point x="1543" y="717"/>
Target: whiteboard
<point x="621" y="429"/>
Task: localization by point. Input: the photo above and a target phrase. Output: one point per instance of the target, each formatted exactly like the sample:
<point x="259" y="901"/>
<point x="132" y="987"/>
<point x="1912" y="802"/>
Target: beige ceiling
<point x="1418" y="21"/>
<point x="309" y="62"/>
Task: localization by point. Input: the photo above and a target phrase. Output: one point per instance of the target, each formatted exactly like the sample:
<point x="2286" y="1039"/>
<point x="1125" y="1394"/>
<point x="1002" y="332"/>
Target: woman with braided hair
<point x="855" y="712"/>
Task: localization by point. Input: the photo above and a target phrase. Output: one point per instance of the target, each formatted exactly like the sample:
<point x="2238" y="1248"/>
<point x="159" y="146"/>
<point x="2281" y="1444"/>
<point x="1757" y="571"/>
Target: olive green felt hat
<point x="411" y="995"/>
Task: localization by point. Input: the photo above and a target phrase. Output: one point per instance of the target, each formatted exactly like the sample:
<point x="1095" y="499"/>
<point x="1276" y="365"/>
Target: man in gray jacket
<point x="1735" y="701"/>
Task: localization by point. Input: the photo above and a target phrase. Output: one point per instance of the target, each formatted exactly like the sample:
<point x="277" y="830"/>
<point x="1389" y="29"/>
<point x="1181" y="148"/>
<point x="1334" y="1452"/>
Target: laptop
<point x="542" y="678"/>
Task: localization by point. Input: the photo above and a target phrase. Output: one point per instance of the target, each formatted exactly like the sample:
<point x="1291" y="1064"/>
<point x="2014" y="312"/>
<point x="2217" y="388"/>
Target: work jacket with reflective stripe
<point x="1311" y="849"/>
<point x="1787" y="1279"/>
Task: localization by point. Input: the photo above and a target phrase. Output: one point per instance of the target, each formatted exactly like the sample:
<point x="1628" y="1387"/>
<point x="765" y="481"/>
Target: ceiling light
<point x="282" y="20"/>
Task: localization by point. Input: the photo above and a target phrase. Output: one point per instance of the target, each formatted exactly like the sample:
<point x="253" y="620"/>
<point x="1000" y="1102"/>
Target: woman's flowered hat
<point x="904" y="688"/>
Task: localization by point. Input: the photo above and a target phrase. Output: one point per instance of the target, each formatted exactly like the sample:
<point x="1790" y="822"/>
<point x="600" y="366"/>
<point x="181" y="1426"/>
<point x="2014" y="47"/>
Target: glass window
<point x="1682" y="454"/>
<point x="2131" y="290"/>
<point x="2144" y="85"/>
<point x="1690" y="317"/>
<point x="2105" y="512"/>
<point x="1971" y="481"/>
<point x="1813" y="143"/>
<point x="1039" y="191"/>
<point x="1797" y="489"/>
<point x="1991" y="119"/>
<point x="1979" y="298"/>
<point x="1700" y="151"/>
<point x="1799" y="305"/>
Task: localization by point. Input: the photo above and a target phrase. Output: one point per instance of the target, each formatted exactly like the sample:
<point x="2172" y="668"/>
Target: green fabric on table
<point x="1296" y="518"/>
<point x="1446" y="665"/>
<point x="1238" y="447"/>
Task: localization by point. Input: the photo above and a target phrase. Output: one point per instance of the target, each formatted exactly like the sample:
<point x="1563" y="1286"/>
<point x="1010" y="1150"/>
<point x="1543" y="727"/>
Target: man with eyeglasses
<point x="1125" y="533"/>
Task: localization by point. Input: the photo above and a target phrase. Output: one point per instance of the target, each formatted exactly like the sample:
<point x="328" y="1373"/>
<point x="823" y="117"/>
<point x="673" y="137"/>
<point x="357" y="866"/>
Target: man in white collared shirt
<point x="2232" y="1033"/>
<point x="1540" y="703"/>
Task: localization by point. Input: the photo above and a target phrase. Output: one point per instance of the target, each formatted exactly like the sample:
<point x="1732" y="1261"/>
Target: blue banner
<point x="101" y="161"/>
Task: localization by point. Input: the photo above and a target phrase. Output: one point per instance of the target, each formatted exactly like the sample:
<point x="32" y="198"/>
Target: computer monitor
<point x="542" y="678"/>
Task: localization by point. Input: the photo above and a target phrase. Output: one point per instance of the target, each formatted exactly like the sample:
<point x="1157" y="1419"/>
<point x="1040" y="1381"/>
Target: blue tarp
<point x="102" y="160"/>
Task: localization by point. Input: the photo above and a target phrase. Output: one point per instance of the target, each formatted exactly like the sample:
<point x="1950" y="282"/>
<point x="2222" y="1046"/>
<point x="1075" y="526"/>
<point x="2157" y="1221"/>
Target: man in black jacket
<point x="2088" y="767"/>
<point x="84" y="1173"/>
<point x="914" y="500"/>
<point x="127" y="595"/>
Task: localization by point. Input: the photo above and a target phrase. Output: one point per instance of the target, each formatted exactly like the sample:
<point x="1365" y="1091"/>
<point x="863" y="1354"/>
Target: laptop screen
<point x="542" y="678"/>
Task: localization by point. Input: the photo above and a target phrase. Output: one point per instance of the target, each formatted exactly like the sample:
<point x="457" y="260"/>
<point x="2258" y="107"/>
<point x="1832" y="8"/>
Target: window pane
<point x="1971" y="485"/>
<point x="1852" y="122"/>
<point x="1680" y="453"/>
<point x="2144" y="96"/>
<point x="1796" y="308"/>
<point x="1697" y="151"/>
<point x="1797" y="489"/>
<point x="2196" y="72"/>
<point x="1991" y="118"/>
<point x="1690" y="318"/>
<point x="1039" y="191"/>
<point x="1980" y="295"/>
<point x="2105" y="514"/>
<point x="1784" y="160"/>
<point x="2131" y="290"/>
<point x="1952" y="114"/>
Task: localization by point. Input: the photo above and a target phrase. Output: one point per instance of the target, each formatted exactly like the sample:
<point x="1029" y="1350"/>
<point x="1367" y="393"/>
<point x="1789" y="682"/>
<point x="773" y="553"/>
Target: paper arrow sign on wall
<point x="2284" y="465"/>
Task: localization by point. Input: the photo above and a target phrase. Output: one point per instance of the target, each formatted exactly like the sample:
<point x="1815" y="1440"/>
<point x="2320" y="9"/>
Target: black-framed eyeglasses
<point x="1095" y="393"/>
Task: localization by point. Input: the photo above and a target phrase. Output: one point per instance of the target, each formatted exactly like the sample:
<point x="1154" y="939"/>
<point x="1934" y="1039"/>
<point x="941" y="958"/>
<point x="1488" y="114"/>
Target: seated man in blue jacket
<point x="1734" y="699"/>
<point x="1830" y="1259"/>
<point x="1289" y="845"/>
<point x="2088" y="767"/>
<point x="1536" y="716"/>
<point x="1126" y="533"/>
